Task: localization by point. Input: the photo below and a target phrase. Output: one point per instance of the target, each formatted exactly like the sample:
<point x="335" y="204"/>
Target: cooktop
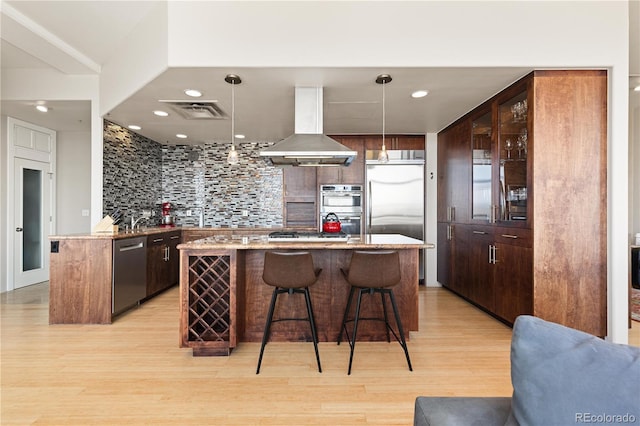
<point x="293" y="236"/>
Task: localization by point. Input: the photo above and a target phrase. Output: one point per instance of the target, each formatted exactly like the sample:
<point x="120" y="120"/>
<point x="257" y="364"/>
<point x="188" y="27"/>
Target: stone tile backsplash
<point x="140" y="174"/>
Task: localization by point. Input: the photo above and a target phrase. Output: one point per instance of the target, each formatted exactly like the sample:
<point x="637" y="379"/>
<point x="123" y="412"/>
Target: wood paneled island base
<point x="223" y="299"/>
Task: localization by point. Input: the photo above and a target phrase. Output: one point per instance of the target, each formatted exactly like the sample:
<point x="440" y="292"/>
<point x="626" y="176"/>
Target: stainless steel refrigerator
<point x="394" y="196"/>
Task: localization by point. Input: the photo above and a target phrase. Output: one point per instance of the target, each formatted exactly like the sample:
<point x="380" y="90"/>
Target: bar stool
<point x="290" y="272"/>
<point x="373" y="272"/>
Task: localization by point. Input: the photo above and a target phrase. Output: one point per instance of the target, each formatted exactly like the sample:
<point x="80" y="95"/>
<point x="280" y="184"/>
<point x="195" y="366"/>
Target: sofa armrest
<point x="461" y="411"/>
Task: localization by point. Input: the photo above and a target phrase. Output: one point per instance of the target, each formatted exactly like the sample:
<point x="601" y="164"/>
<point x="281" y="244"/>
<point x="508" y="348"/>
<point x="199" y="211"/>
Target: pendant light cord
<point x="383" y="114"/>
<point x="233" y="114"/>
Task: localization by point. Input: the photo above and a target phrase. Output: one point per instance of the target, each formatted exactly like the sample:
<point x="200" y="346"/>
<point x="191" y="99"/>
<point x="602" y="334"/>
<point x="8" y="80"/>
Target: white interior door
<point x="32" y="221"/>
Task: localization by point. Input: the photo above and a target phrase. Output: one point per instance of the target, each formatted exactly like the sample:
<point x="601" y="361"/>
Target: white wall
<point x="46" y="84"/>
<point x="4" y="142"/>
<point x="73" y="182"/>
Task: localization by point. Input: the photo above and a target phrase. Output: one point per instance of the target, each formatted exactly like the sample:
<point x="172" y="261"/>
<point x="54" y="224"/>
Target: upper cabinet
<point x="513" y="148"/>
<point x="352" y="174"/>
<point x="482" y="167"/>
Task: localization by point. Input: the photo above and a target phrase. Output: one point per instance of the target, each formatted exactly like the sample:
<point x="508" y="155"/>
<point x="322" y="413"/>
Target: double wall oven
<point x="346" y="202"/>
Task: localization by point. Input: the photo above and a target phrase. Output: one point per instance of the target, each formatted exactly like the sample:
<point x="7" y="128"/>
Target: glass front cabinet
<point x="500" y="143"/>
<point x="513" y="153"/>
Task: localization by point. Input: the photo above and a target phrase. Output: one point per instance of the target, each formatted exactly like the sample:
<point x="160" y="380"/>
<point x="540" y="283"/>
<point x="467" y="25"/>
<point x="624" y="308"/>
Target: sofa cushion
<point x="461" y="411"/>
<point x="563" y="376"/>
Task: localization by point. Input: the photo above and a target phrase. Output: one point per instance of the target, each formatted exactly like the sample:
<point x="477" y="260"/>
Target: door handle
<point x="18" y="229"/>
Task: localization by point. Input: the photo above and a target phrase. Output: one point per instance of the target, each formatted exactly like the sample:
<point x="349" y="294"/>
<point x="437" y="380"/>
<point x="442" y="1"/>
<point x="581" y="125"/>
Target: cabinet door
<point x="173" y="259"/>
<point x="156" y="264"/>
<point x="445" y="254"/>
<point x="513" y="150"/>
<point x="300" y="194"/>
<point x="461" y="263"/>
<point x="299" y="182"/>
<point x="408" y="142"/>
<point x="481" y="276"/>
<point x="513" y="276"/>
<point x="454" y="173"/>
<point x="482" y="168"/>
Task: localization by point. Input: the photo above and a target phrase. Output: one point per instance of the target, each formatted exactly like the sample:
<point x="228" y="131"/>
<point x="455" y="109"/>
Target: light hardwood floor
<point x="133" y="372"/>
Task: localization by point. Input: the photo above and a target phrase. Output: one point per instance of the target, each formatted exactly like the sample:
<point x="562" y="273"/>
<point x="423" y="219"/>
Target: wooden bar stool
<point x="289" y="272"/>
<point x="373" y="272"/>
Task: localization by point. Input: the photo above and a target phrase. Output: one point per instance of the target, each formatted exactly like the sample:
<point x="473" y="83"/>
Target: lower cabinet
<point x="491" y="267"/>
<point x="163" y="261"/>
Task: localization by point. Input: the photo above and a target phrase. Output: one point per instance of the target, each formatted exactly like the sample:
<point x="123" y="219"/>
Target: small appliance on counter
<point x="331" y="223"/>
<point x="167" y="218"/>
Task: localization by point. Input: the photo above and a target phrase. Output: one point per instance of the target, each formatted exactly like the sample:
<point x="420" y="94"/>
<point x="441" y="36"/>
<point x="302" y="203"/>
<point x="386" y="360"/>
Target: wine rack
<point x="207" y="304"/>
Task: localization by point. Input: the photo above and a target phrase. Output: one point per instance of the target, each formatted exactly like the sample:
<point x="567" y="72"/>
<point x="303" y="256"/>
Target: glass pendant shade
<point x="233" y="157"/>
<point x="383" y="155"/>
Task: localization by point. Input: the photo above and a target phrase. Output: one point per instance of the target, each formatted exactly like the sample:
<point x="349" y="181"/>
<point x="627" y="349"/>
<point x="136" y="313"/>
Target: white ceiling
<point x="264" y="99"/>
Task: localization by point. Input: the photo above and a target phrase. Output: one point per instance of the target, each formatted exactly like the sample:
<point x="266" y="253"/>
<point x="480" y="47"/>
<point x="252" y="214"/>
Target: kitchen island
<point x="223" y="299"/>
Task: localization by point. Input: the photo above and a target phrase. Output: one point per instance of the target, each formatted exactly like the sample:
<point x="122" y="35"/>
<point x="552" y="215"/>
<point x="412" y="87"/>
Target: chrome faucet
<point x="135" y="221"/>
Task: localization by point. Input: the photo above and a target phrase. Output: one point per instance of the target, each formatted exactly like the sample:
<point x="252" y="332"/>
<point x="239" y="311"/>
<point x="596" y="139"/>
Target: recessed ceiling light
<point x="161" y="113"/>
<point x="419" y="93"/>
<point x="193" y="93"/>
<point x="637" y="88"/>
<point x="239" y="136"/>
<point x="181" y="136"/>
<point x="42" y="108"/>
<point x="134" y="127"/>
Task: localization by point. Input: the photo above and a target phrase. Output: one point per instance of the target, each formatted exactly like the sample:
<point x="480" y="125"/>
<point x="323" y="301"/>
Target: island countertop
<point x="261" y="242"/>
<point x="223" y="299"/>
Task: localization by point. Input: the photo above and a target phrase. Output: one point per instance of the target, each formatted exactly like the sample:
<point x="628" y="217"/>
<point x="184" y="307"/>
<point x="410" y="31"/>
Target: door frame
<point x="34" y="154"/>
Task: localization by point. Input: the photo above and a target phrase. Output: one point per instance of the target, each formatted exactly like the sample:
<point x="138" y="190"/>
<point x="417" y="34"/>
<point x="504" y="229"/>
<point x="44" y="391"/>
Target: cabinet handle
<point x="166" y="254"/>
<point x="453" y="214"/>
<point x="510" y="236"/>
<point x="493" y="214"/>
<point x="157" y="240"/>
<point x="492" y="254"/>
<point x="175" y="237"/>
<point x="480" y="232"/>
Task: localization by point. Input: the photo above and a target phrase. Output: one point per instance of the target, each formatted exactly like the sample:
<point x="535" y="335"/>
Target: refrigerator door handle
<point x="369" y="208"/>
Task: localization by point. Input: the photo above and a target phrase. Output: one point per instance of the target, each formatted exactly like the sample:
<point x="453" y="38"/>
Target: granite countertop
<point x="257" y="242"/>
<point x="117" y="236"/>
<point x="151" y="230"/>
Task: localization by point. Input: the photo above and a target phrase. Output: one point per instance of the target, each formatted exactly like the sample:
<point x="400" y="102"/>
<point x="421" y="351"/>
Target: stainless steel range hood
<point x="308" y="146"/>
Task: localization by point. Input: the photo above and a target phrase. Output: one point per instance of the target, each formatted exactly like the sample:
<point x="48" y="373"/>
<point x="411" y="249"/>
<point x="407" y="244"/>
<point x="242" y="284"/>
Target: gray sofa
<point x="560" y="376"/>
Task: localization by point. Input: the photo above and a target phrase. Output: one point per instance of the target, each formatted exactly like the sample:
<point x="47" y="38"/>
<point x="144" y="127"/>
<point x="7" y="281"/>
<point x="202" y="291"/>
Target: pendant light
<point x="233" y="79"/>
<point x="383" y="155"/>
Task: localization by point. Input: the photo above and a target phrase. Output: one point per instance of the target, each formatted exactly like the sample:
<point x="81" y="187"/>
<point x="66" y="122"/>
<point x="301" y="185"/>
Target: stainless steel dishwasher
<point x="129" y="273"/>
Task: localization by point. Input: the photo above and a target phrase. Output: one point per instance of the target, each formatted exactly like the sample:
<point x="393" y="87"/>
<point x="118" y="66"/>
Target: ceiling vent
<point x="203" y="110"/>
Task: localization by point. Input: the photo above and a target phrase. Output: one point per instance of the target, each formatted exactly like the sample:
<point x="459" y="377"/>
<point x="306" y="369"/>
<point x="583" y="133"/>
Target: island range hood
<point x="308" y="146"/>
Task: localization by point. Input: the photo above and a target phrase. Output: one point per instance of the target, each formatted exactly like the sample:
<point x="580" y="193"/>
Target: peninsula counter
<point x="223" y="299"/>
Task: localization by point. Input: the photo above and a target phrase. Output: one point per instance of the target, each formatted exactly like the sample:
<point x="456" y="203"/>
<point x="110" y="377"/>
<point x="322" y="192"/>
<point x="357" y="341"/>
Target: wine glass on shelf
<point x="519" y="147"/>
<point x="508" y="145"/>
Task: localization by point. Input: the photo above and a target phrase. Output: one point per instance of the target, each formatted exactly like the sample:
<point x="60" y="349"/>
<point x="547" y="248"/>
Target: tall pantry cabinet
<point x="522" y="196"/>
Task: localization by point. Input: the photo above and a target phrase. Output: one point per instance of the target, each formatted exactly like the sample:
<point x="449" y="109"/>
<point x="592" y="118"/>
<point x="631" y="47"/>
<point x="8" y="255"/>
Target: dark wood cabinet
<point x="480" y="279"/>
<point x="352" y="174"/>
<point x="454" y="172"/>
<point x="299" y="197"/>
<point x="402" y="142"/>
<point x="163" y="261"/>
<point x="513" y="269"/>
<point x="544" y="138"/>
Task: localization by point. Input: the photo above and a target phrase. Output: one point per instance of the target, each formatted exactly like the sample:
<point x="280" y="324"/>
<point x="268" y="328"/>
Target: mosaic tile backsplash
<point x="140" y="174"/>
